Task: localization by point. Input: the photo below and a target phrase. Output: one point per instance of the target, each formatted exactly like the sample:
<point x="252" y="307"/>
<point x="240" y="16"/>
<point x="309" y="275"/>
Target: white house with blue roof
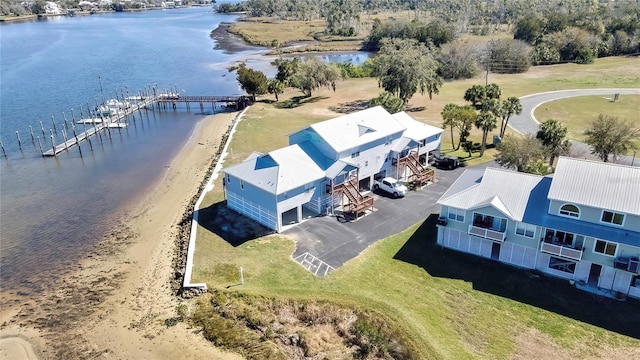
<point x="331" y="165"/>
<point x="582" y="223"/>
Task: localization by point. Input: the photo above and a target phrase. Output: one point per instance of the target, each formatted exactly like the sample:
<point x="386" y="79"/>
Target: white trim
<point x="526" y="226"/>
<point x="506" y="225"/>
<point x="624" y="217"/>
<point x="456" y="211"/>
<point x="595" y="243"/>
<point x="569" y="212"/>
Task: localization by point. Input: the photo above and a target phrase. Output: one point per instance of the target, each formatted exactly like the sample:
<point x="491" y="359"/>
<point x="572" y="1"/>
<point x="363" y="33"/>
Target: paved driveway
<point x="324" y="243"/>
<point x="526" y="123"/>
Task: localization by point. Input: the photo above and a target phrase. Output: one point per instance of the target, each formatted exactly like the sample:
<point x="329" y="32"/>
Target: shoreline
<point x="117" y="300"/>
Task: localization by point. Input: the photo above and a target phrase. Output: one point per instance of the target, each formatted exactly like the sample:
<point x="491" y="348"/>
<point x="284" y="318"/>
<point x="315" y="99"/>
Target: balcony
<point x="629" y="264"/>
<point x="487" y="233"/>
<point x="562" y="251"/>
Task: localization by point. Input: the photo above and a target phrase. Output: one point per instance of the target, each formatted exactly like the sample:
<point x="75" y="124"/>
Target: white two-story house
<point x="330" y="165"/>
<point x="582" y="223"/>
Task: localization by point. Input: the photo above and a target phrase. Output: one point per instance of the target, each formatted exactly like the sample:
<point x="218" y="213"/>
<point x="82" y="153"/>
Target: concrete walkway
<point x="526" y="123"/>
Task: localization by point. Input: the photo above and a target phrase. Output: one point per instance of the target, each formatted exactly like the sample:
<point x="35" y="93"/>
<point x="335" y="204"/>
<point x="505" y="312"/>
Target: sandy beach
<point x="115" y="304"/>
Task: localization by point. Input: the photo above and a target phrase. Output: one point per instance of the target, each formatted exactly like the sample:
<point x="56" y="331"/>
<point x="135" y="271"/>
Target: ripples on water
<point x="53" y="209"/>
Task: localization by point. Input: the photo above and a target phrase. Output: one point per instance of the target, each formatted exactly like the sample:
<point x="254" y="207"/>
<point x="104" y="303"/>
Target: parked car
<point x="390" y="185"/>
<point x="447" y="162"/>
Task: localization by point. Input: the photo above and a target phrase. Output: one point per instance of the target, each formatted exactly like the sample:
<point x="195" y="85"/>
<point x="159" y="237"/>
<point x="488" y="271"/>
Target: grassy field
<point x="578" y="113"/>
<point x="448" y="305"/>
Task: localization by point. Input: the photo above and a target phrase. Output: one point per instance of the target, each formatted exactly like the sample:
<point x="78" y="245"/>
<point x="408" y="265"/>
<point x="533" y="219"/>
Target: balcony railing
<point x="562" y="251"/>
<point x="487" y="233"/>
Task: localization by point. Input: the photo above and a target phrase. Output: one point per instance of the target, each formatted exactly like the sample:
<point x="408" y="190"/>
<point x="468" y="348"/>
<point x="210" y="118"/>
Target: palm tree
<point x="552" y="134"/>
<point x="449" y="119"/>
<point x="510" y="106"/>
<point x="485" y="121"/>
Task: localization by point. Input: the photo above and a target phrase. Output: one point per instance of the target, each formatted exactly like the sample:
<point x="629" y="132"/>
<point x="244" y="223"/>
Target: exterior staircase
<point x="358" y="203"/>
<point x="421" y="174"/>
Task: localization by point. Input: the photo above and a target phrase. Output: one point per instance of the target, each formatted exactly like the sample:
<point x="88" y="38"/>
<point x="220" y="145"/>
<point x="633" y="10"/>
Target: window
<point x="241" y="184"/>
<point x="612" y="217"/>
<point x="524" y="229"/>
<point x="605" y="247"/>
<point x="562" y="265"/>
<point x="570" y="210"/>
<point x="456" y="214"/>
<point x="366" y="163"/>
<point x="228" y="179"/>
<point x="355" y="154"/>
<point x="489" y="222"/>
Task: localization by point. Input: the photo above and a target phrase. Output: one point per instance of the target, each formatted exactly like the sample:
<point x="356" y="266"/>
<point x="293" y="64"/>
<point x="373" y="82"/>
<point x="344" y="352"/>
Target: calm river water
<point x="53" y="209"/>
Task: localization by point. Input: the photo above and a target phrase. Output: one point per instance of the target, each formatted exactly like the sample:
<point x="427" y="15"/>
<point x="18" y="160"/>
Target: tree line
<point x="544" y="31"/>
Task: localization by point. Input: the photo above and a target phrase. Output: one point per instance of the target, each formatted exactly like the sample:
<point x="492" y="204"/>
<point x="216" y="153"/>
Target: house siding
<point x="594" y="215"/>
<point x="518" y="255"/>
<point x="522" y="251"/>
<point x="461" y="241"/>
<point x="247" y="190"/>
<point x="253" y="210"/>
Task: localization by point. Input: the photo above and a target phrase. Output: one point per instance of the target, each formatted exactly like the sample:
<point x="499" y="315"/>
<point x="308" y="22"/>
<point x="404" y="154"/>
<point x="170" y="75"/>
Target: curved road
<point x="526" y="123"/>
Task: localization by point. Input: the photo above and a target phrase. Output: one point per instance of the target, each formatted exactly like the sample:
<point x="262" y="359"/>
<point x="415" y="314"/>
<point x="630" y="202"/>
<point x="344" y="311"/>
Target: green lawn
<point x="448" y="305"/>
<point x="577" y="113"/>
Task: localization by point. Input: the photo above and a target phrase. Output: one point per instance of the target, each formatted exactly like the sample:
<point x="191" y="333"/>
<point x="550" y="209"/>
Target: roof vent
<point x="364" y="130"/>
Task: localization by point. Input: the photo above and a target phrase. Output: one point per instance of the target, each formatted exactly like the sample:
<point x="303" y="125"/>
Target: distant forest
<point x="545" y="31"/>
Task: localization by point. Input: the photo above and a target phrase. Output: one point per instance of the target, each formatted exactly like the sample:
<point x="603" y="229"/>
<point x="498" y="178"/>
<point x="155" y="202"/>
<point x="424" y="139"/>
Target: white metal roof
<point x="505" y="190"/>
<point x="597" y="184"/>
<point x="278" y="171"/>
<point x="352" y="130"/>
<point x="416" y="130"/>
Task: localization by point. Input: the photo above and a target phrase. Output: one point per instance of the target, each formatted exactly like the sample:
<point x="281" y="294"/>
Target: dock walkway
<point x="114" y="120"/>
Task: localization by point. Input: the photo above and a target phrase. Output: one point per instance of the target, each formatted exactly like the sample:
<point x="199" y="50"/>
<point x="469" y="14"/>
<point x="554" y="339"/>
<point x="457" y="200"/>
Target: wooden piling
<point x="64" y="136"/>
<point x="66" y="126"/>
<point x="31" y="131"/>
<point x="84" y="127"/>
<point x="3" y="150"/>
<point x="53" y="146"/>
<point x="53" y="121"/>
<point x="42" y="128"/>
<point x="40" y="144"/>
<point x="19" y="141"/>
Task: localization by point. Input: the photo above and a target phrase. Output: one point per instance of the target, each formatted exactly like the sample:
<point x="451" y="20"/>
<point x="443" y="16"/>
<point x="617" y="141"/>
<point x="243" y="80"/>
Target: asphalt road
<point x="526" y="122"/>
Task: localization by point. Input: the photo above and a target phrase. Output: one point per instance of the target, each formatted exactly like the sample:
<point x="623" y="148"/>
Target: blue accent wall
<point x="252" y="192"/>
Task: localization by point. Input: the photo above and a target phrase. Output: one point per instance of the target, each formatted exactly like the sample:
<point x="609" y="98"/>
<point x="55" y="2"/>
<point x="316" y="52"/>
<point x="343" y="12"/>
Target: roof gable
<point x="506" y="191"/>
<point x="416" y="130"/>
<point x="278" y="171"/>
<point x="356" y="129"/>
<point x="597" y="184"/>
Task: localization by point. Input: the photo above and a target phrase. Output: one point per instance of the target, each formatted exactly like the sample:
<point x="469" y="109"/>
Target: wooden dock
<point x="239" y="101"/>
<point x="157" y="99"/>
